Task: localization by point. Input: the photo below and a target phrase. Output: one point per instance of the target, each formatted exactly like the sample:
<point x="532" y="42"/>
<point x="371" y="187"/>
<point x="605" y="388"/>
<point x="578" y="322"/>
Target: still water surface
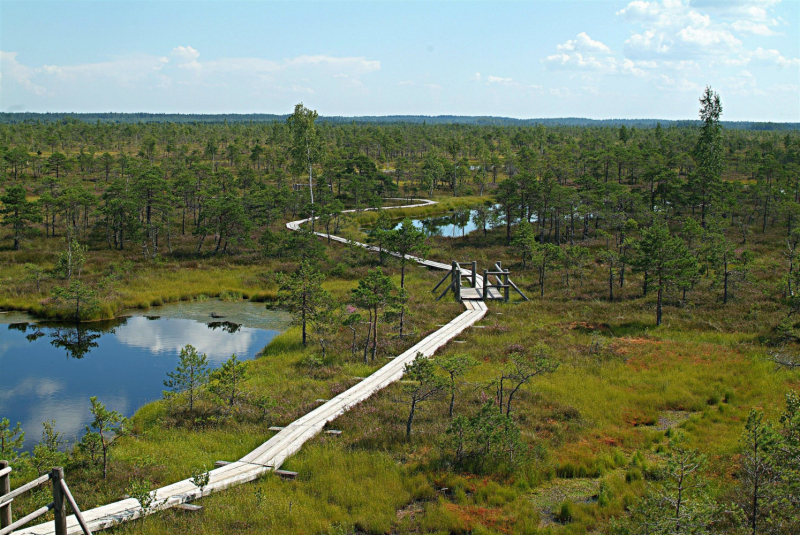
<point x="453" y="225"/>
<point x="49" y="370"/>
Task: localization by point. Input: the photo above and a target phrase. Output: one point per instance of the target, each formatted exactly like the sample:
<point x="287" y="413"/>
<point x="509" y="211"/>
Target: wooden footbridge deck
<point x="272" y="453"/>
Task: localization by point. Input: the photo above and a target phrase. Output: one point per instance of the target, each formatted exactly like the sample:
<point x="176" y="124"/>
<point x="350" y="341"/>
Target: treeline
<point x="224" y="118"/>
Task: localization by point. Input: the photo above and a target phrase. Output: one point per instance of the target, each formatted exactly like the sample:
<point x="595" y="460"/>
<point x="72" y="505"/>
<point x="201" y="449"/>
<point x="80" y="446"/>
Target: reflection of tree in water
<point x="227" y="326"/>
<point x="34" y="336"/>
<point x="433" y="226"/>
<point x="460" y="220"/>
<point x="23" y="327"/>
<point x="78" y="339"/>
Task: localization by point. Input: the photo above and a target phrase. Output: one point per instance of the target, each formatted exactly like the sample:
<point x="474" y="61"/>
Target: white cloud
<point x="499" y="80"/>
<point x="650" y="41"/>
<point x="750" y="27"/>
<point x="666" y="14"/>
<point x="789" y="88"/>
<point x="708" y="40"/>
<point x="357" y="65"/>
<point x="17" y="72"/>
<point x="772" y="58"/>
<point x="406" y="82"/>
<point x="577" y="61"/>
<point x="186" y="53"/>
<point x="562" y="92"/>
<point x="124" y="71"/>
<point x="433" y="87"/>
<point x="743" y="83"/>
<point x="184" y="67"/>
<point x="751" y="9"/>
<point x="682" y="85"/>
<point x="187" y="57"/>
<point x="584" y="43"/>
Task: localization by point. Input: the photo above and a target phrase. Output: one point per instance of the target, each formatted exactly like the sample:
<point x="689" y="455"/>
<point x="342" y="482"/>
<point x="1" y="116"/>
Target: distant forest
<point x="127" y="118"/>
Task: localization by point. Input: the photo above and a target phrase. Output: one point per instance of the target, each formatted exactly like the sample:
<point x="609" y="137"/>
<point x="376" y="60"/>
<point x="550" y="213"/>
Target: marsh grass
<point x="594" y="419"/>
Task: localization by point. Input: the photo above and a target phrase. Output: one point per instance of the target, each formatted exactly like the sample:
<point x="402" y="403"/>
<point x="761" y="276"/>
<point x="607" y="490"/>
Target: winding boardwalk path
<point x="272" y="453"/>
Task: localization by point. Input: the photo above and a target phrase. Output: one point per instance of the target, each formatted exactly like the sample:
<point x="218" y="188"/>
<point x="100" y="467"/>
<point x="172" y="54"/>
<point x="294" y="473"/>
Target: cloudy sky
<point x="598" y="59"/>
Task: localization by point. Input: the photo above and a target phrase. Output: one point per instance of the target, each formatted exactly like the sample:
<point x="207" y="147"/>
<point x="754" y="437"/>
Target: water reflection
<point x="77" y="339"/>
<point x="227" y="326"/>
<point x="453" y="225"/>
<point x="122" y="362"/>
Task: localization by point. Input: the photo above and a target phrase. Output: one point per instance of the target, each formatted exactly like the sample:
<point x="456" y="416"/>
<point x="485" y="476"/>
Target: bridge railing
<point x="61" y="496"/>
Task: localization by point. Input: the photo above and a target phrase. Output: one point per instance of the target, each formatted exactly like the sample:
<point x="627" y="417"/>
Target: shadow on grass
<point x="631" y="328"/>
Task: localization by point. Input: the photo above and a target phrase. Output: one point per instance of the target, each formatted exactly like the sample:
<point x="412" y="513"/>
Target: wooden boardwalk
<point x="272" y="453"/>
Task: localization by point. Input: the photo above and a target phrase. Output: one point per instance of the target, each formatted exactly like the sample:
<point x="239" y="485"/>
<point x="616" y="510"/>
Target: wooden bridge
<point x="481" y="288"/>
<point x="272" y="453"/>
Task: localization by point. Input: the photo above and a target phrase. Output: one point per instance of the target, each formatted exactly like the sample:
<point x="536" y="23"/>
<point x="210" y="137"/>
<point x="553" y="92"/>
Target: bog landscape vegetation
<point x="649" y="385"/>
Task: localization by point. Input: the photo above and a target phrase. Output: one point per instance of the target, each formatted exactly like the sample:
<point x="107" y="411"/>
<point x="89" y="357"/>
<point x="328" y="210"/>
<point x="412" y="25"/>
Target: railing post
<point x="505" y="282"/>
<point x="474" y="274"/>
<point x="5" y="488"/>
<point x="458" y="283"/>
<point x="58" y="501"/>
<point x="485" y="284"/>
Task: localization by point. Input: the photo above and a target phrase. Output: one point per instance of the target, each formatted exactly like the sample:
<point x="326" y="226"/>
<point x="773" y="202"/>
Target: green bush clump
<point x="565" y="512"/>
<point x="230" y="295"/>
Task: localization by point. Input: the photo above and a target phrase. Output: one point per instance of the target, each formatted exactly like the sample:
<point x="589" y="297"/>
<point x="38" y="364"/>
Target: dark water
<point x="49" y="370"/>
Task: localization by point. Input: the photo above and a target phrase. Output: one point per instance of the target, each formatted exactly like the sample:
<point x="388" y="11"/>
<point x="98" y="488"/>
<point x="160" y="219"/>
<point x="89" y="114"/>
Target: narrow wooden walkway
<point x="272" y="453"/>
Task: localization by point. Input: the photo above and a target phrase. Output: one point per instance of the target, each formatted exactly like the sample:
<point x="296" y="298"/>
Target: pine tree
<point x="708" y="154"/>
<point x="665" y="259"/>
<point x="17" y="213"/>
<point x="302" y="295"/>
<point x="190" y="375"/>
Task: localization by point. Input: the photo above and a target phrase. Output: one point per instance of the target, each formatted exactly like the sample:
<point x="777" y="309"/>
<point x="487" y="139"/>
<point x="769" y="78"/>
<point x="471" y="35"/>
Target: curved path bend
<point x="272" y="453"/>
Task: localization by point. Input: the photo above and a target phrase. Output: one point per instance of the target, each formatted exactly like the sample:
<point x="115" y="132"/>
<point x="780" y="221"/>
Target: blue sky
<point x="597" y="59"/>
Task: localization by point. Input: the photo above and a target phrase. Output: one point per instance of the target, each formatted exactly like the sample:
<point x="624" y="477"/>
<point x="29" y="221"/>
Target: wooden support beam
<point x="59" y="510"/>
<point x="525" y="297"/>
<point x="75" y="508"/>
<point x="220" y="464"/>
<point x="189" y="507"/>
<point x="275" y="428"/>
<point x="452" y="284"/>
<point x="286" y="474"/>
<point x="458" y="285"/>
<point x="441" y="281"/>
<point x="24" y="488"/>
<point x="5" y="488"/>
<point x="334" y="432"/>
<point x="25" y="519"/>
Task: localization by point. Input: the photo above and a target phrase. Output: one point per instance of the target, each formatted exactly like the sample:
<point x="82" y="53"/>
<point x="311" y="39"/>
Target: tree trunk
<point x="411" y="418"/>
<point x="658" y="302"/>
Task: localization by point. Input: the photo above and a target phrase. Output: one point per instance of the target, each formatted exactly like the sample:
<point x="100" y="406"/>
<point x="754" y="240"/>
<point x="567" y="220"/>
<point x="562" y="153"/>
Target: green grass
<point x="590" y="423"/>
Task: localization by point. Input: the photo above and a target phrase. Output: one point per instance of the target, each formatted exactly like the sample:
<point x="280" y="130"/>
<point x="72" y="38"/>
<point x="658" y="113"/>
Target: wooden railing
<point x="61" y="496"/>
<point x="502" y="282"/>
<point x="483" y="291"/>
<point x="455" y="275"/>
